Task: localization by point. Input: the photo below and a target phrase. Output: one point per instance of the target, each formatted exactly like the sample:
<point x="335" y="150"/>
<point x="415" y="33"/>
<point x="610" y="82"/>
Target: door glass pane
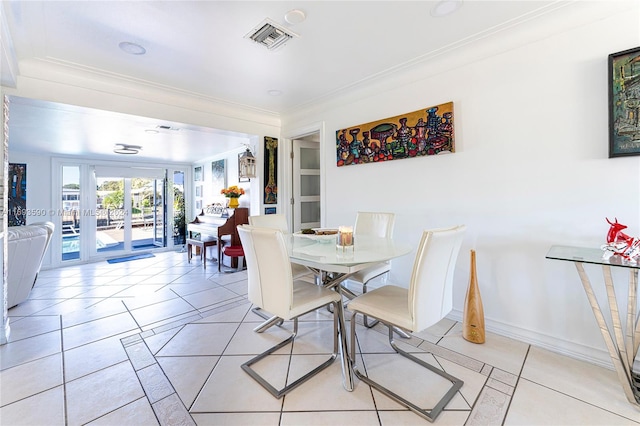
<point x="309" y="158"/>
<point x="309" y="185"/>
<point x="159" y="209"/>
<point x="70" y="212"/>
<point x="142" y="213"/>
<point x="110" y="214"/>
<point x="310" y="211"/>
<point x="179" y="225"/>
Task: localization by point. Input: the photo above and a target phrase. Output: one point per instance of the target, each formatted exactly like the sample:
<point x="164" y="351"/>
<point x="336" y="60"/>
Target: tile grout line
<point x="65" y="414"/>
<point x="140" y="362"/>
<point x="146" y="382"/>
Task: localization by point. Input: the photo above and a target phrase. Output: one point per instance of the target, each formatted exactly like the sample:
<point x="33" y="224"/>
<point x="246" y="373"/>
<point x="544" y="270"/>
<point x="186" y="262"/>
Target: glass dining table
<point x="333" y="264"/>
<point x="621" y="341"/>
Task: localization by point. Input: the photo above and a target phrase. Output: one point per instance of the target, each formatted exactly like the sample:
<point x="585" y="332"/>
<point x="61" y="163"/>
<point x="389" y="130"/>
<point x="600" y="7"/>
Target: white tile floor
<point x="159" y="341"/>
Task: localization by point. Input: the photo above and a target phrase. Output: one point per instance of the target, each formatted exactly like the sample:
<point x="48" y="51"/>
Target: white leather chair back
<point x="431" y="285"/>
<point x="270" y="283"/>
<point x="279" y="221"/>
<point x="274" y="221"/>
<point x="374" y="224"/>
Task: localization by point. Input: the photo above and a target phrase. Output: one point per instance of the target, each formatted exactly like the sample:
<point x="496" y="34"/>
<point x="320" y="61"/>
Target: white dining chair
<point x="274" y="221"/>
<point x="428" y="299"/>
<point x="377" y="225"/>
<point x="272" y="288"/>
<point x="279" y="221"/>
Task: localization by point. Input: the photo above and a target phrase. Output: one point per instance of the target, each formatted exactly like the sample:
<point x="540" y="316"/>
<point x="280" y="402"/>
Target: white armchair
<point x="27" y="246"/>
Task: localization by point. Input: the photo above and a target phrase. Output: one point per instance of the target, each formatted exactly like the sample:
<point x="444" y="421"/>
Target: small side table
<point x="622" y="343"/>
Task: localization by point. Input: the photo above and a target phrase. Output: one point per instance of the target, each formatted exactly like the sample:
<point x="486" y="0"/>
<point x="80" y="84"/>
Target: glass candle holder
<point x="345" y="238"/>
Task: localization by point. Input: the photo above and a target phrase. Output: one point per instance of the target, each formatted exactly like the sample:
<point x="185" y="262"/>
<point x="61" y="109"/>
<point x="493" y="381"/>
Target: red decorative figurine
<point x="620" y="243"/>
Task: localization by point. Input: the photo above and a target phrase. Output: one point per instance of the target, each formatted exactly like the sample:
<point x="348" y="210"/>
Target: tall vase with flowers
<point x="233" y="193"/>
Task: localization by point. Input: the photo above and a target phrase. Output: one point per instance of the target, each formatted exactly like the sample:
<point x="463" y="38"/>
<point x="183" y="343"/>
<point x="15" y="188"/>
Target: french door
<point x="130" y="211"/>
<point x="105" y="211"/>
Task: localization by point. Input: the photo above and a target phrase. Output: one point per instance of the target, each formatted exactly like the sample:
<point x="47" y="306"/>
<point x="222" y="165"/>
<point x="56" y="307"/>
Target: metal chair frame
<point x="429" y="414"/>
<point x="279" y="393"/>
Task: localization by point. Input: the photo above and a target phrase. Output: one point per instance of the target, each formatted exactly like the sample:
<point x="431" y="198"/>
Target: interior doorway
<point x="306" y="206"/>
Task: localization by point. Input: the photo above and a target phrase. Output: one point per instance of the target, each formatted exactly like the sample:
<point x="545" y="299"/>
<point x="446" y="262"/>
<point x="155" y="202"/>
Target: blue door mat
<point x="128" y="258"/>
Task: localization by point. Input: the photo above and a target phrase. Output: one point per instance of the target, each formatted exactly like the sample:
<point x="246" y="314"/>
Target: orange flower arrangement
<point x="232" y="192"/>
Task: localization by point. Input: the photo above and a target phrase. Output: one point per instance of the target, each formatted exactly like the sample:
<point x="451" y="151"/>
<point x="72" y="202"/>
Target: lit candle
<point x="345" y="236"/>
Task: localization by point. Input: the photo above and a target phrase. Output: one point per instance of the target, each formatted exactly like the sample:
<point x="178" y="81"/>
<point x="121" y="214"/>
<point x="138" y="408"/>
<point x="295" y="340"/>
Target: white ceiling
<point x="198" y="47"/>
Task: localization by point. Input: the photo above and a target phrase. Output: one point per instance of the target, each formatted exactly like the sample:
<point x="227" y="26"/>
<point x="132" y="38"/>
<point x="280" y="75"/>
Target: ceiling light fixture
<point x="121" y="148"/>
<point x="445" y="7"/>
<point x="275" y="92"/>
<point x="295" y="16"/>
<point x="132" y="48"/>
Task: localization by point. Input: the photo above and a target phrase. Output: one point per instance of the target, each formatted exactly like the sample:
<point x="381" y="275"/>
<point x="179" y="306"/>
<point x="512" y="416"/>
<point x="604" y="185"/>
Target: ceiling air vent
<point x="270" y="34"/>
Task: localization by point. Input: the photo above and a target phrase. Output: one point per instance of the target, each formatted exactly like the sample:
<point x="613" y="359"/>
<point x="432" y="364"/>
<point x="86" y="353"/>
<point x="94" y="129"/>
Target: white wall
<point x="209" y="196"/>
<point x="530" y="168"/>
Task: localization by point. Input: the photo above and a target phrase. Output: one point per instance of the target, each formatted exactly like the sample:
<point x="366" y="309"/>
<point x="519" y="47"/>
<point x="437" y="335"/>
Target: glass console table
<point x="622" y="342"/>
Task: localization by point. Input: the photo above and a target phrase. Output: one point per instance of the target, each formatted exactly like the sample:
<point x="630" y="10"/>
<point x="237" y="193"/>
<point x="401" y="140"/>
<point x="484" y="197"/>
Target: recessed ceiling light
<point x="275" y="92"/>
<point x="132" y="48"/>
<point x="121" y="148"/>
<point x="445" y="7"/>
<point x="295" y="16"/>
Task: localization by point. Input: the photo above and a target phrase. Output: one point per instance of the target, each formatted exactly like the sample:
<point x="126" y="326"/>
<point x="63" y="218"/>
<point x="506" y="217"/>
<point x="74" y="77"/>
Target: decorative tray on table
<point x="321" y="235"/>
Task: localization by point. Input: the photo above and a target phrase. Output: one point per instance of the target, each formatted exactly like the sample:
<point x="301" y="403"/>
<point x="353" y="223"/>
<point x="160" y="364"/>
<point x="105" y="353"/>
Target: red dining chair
<point x="234" y="251"/>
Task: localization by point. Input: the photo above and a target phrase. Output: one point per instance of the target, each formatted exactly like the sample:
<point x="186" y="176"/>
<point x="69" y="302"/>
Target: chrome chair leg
<point x="270" y="322"/>
<point x="279" y="393"/>
<point x="429" y="414"/>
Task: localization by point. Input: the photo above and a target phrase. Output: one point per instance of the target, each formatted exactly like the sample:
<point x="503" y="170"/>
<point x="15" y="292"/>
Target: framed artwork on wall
<point x="428" y="131"/>
<point x="271" y="170"/>
<point x="269" y="210"/>
<point x="197" y="174"/>
<point x="17" y="196"/>
<point x="624" y="103"/>
<point x="218" y="176"/>
<point x="199" y="191"/>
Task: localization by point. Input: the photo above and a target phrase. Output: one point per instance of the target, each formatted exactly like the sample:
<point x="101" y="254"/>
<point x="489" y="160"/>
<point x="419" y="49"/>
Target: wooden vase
<point x="473" y="315"/>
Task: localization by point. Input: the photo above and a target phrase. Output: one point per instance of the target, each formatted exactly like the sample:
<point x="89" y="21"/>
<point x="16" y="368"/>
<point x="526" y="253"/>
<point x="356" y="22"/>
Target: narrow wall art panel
<point x="428" y="131"/>
<point x="218" y="176"/>
<point x="17" y="194"/>
<point x="271" y="170"/>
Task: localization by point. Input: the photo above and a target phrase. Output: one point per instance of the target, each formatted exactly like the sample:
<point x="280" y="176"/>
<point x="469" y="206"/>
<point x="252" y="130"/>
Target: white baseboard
<point x="574" y="350"/>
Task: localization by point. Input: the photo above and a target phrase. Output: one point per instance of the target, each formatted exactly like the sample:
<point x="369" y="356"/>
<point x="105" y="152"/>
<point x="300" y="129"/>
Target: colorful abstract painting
<point x="17" y="194"/>
<point x="624" y="103"/>
<point x="428" y="131"/>
<point x="271" y="170"/>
